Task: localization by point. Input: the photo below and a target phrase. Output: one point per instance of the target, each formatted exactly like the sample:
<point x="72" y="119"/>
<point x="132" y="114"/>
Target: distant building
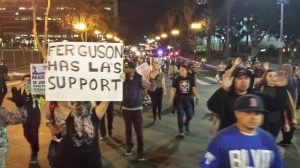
<point x="16" y="21"/>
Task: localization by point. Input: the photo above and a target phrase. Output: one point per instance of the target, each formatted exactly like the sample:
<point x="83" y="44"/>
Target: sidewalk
<point x="17" y="74"/>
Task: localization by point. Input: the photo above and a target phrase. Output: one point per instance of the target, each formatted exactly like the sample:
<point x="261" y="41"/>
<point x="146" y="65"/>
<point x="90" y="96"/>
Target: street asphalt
<point x="162" y="148"/>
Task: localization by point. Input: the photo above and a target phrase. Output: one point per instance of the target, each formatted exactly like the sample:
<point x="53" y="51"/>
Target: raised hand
<point x="227" y="80"/>
<point x="266" y="65"/>
<point x="281" y="79"/>
<point x="237" y="61"/>
<point x="16" y="97"/>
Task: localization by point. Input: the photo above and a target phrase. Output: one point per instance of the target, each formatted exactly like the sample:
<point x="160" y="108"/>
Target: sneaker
<point x="284" y="143"/>
<point x="141" y="158"/>
<point x="33" y="159"/>
<point x="181" y="135"/>
<point x="129" y="150"/>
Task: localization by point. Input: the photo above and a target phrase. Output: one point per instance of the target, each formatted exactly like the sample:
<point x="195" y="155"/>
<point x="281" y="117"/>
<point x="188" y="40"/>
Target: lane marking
<point x="211" y="78"/>
<point x="202" y="82"/>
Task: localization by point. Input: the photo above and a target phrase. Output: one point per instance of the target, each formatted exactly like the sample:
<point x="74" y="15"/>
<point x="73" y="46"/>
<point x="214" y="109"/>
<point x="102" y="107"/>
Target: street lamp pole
<point x="227" y="31"/>
<point x="281" y="32"/>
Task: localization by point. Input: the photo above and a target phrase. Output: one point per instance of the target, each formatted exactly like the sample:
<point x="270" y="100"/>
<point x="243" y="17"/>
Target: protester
<point x="292" y="85"/>
<point x="31" y="126"/>
<point x="3" y="78"/>
<point x="278" y="117"/>
<point x="220" y="71"/>
<point x="81" y="139"/>
<point x="182" y="93"/>
<point x="158" y="93"/>
<point x="10" y="118"/>
<point x="56" y="123"/>
<point x="240" y="82"/>
<point x="258" y="70"/>
<point x="132" y="106"/>
<point x="243" y="144"/>
<point x="297" y="78"/>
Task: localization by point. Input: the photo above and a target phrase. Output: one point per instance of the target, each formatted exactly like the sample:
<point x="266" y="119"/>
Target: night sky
<point x="140" y="16"/>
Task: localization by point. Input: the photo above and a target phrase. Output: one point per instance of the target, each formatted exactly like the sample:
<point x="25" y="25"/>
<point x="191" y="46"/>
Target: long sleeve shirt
<point x="9" y="118"/>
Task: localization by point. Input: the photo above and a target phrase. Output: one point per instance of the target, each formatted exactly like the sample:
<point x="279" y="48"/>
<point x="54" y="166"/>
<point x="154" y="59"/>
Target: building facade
<point x="16" y="21"/>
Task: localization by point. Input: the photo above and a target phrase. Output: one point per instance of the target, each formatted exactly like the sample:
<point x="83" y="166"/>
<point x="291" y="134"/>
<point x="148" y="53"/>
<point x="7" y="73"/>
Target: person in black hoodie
<point x="240" y="83"/>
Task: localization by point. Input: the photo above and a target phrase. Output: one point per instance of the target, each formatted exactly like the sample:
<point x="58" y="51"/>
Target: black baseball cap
<point x="249" y="103"/>
<point x="129" y="64"/>
<point x="240" y="72"/>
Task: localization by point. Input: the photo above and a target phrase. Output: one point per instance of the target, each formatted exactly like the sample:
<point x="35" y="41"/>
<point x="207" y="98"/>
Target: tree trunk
<point x="41" y="46"/>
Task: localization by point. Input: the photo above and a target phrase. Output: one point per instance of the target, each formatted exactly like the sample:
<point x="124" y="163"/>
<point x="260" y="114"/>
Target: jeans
<point x="135" y="118"/>
<point x="184" y="106"/>
<point x="156" y="98"/>
<point x="31" y="130"/>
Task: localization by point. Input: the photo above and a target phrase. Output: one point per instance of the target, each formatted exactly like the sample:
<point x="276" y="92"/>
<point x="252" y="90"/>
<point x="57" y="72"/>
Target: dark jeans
<point x="135" y="118"/>
<point x="56" y="154"/>
<point x="273" y="128"/>
<point x="110" y="117"/>
<point x="31" y="130"/>
<point x="91" y="159"/>
<point x="288" y="136"/>
<point x="184" y="105"/>
<point x="156" y="98"/>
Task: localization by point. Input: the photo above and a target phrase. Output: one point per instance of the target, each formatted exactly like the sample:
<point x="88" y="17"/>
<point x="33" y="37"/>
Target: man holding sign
<point x="133" y="105"/>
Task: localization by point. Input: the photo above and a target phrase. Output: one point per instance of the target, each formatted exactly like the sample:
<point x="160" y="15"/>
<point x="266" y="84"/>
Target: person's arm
<point x="286" y="126"/>
<point x="212" y="128"/>
<point x="13" y="118"/>
<point x="65" y="109"/>
<point x="172" y="95"/>
<point x="195" y="92"/>
<point x="101" y="109"/>
<point x="213" y="156"/>
<point x="150" y="85"/>
<point x="163" y="84"/>
<point x="237" y="62"/>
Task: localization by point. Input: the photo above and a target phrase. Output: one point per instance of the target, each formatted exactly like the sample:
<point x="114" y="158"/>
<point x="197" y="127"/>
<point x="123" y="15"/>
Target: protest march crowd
<point x="251" y="107"/>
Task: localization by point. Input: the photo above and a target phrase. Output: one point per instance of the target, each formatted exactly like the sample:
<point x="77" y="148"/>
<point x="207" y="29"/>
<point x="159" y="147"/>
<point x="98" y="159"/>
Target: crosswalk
<point x="207" y="80"/>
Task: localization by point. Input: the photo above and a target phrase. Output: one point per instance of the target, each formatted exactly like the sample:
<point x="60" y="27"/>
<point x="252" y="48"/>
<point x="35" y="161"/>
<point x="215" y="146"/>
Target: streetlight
<point x="98" y="34"/>
<point x="109" y="36"/>
<point x="164" y="35"/>
<point x="174" y="32"/>
<point x="81" y="27"/>
<point x="157" y="38"/>
<point x="196" y="27"/>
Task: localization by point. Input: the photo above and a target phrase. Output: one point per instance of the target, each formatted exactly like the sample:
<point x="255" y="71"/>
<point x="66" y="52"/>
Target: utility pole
<point x="282" y="3"/>
<point x="227" y="32"/>
<point x="229" y="4"/>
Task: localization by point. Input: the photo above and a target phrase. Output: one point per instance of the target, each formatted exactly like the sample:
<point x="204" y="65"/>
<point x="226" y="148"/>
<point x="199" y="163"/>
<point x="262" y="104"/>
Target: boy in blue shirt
<point x="243" y="144"/>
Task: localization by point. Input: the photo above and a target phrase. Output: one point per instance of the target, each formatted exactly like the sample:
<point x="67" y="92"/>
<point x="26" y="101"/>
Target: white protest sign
<point x="84" y="71"/>
<point x="143" y="69"/>
<point x="37" y="73"/>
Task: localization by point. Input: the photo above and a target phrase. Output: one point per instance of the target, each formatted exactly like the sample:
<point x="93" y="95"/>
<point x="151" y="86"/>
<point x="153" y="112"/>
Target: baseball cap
<point x="240" y="72"/>
<point x="249" y="103"/>
<point x="129" y="64"/>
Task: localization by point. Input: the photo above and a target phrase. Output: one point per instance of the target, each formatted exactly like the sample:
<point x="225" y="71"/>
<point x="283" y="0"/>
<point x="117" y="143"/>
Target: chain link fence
<point x="20" y="58"/>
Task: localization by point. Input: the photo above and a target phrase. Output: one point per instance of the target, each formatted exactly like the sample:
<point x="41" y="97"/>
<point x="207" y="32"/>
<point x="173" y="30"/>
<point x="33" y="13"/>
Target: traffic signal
<point x="283" y="49"/>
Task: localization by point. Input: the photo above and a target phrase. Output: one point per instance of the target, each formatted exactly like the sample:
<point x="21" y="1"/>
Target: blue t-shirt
<point x="231" y="148"/>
